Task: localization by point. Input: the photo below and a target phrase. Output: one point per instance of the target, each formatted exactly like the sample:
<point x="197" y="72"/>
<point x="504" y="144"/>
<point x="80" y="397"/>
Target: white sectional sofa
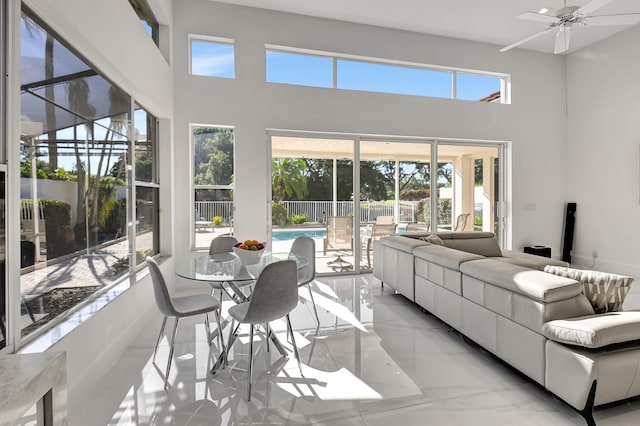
<point x="541" y="324"/>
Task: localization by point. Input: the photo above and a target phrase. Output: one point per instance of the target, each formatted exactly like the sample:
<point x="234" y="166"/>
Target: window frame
<point x="192" y="184"/>
<point x="153" y="184"/>
<point x="144" y="12"/>
<point x="119" y="283"/>
<point x="505" y="79"/>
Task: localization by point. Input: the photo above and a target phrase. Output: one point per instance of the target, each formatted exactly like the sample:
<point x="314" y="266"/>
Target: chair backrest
<point x="339" y="233"/>
<point x="383" y="226"/>
<point x="461" y="222"/>
<point x="306" y="247"/>
<point x="275" y="293"/>
<point x="384" y="220"/>
<point x="222" y="244"/>
<point x="160" y="290"/>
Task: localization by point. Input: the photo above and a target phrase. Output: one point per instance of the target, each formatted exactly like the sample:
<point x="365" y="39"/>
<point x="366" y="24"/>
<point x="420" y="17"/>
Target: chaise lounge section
<point x="540" y="323"/>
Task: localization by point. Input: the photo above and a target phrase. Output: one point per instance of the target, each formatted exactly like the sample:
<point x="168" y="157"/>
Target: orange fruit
<point x="244" y="247"/>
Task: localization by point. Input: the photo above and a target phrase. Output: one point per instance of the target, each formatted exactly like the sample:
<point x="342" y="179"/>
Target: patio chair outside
<point x="461" y="222"/>
<point x="339" y="234"/>
<point x="383" y="226"/>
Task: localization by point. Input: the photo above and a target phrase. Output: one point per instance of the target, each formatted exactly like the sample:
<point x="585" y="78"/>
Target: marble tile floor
<point x="376" y="359"/>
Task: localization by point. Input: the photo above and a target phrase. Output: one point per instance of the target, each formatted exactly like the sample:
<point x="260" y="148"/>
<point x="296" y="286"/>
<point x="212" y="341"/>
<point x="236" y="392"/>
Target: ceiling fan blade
<point x="625" y="19"/>
<point x="538" y="17"/>
<point x="524" y="40"/>
<point x="592" y="6"/>
<point x="562" y="41"/>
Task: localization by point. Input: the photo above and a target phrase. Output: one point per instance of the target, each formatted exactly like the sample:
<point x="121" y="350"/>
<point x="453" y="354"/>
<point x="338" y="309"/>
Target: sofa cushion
<point x="537" y="285"/>
<point x="595" y="331"/>
<point x="484" y="246"/>
<point x="444" y="256"/>
<point x="605" y="291"/>
<point x="530" y="260"/>
<point x="401" y="243"/>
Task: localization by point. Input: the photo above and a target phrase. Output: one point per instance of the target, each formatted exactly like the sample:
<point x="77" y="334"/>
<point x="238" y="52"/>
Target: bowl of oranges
<point x="249" y="251"/>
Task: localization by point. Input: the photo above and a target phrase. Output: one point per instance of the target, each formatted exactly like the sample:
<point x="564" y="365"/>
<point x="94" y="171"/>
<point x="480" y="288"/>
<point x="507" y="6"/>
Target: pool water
<point x="292" y="235"/>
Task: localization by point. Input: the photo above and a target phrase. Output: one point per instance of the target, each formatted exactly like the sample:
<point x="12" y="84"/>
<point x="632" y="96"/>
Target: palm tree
<point x="288" y="178"/>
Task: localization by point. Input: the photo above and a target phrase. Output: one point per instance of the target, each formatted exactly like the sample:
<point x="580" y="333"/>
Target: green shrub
<point x="60" y="235"/>
<point x="279" y="214"/>
<point x="298" y="219"/>
<point x="423" y="211"/>
<point x="122" y="264"/>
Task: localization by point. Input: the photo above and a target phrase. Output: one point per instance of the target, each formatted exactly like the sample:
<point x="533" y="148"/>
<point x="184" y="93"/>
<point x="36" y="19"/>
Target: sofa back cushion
<point x="605" y="291"/>
<point x="482" y="243"/>
<point x="536" y="285"/>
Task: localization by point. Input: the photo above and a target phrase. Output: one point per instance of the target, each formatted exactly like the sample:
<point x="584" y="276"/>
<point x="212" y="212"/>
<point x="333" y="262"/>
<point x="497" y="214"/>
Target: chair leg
<point x="230" y="342"/>
<point x="268" y="331"/>
<point x="173" y="340"/>
<point x="315" y="310"/>
<point x="250" y="361"/>
<point x="220" y="339"/>
<point x="207" y="327"/>
<point x="293" y="342"/>
<point x="164" y="322"/>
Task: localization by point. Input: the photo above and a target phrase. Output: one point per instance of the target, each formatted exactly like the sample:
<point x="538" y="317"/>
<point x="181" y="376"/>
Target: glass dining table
<point x="227" y="270"/>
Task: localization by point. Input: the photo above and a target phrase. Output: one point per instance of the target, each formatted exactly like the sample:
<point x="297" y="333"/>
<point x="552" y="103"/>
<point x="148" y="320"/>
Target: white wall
<point x="603" y="143"/>
<point x="535" y="122"/>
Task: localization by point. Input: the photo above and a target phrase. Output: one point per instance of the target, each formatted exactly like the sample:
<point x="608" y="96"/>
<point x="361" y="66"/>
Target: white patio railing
<point x="317" y="211"/>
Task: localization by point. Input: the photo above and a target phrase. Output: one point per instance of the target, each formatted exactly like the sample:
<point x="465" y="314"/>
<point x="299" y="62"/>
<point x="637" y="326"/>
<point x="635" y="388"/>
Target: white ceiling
<point x="490" y="21"/>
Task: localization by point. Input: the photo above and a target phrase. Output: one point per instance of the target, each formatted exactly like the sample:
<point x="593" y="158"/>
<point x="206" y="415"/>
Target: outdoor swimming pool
<point x="285" y="235"/>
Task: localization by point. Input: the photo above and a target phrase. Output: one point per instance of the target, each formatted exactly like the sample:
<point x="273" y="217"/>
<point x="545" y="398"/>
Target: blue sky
<point x="217" y="60"/>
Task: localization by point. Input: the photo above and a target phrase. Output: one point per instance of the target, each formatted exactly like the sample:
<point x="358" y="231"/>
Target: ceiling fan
<point x="561" y="20"/>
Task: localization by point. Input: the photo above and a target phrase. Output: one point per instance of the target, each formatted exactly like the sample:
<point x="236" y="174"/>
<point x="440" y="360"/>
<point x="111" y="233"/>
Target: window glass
<point x="331" y="70"/>
<point x="474" y="87"/>
<point x="366" y="76"/>
<point x="212" y="59"/>
<point x="305" y="70"/>
<point x="147" y="19"/>
<point x="213" y="183"/>
<point x="75" y="179"/>
<point x="147" y="190"/>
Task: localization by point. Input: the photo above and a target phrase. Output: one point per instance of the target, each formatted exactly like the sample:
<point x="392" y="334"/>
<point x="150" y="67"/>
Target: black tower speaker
<point x="569" y="224"/>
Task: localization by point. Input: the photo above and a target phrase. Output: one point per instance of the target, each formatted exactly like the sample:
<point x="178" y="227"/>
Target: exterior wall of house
<point x="534" y="122"/>
<point x="603" y="157"/>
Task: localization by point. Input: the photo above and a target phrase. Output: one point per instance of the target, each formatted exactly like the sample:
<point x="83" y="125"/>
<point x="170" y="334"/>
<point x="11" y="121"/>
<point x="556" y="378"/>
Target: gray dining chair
<point x="306" y="247"/>
<point x="274" y="296"/>
<point x="179" y="307"/>
<point x="222" y="244"/>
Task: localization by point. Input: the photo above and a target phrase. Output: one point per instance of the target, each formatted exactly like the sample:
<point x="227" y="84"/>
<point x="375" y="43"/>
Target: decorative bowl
<point x="248" y="257"/>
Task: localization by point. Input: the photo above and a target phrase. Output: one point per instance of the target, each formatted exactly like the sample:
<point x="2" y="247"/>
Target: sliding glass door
<point x="312" y="196"/>
<point x="403" y="185"/>
<point x="469" y="193"/>
<point x="395" y="189"/>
